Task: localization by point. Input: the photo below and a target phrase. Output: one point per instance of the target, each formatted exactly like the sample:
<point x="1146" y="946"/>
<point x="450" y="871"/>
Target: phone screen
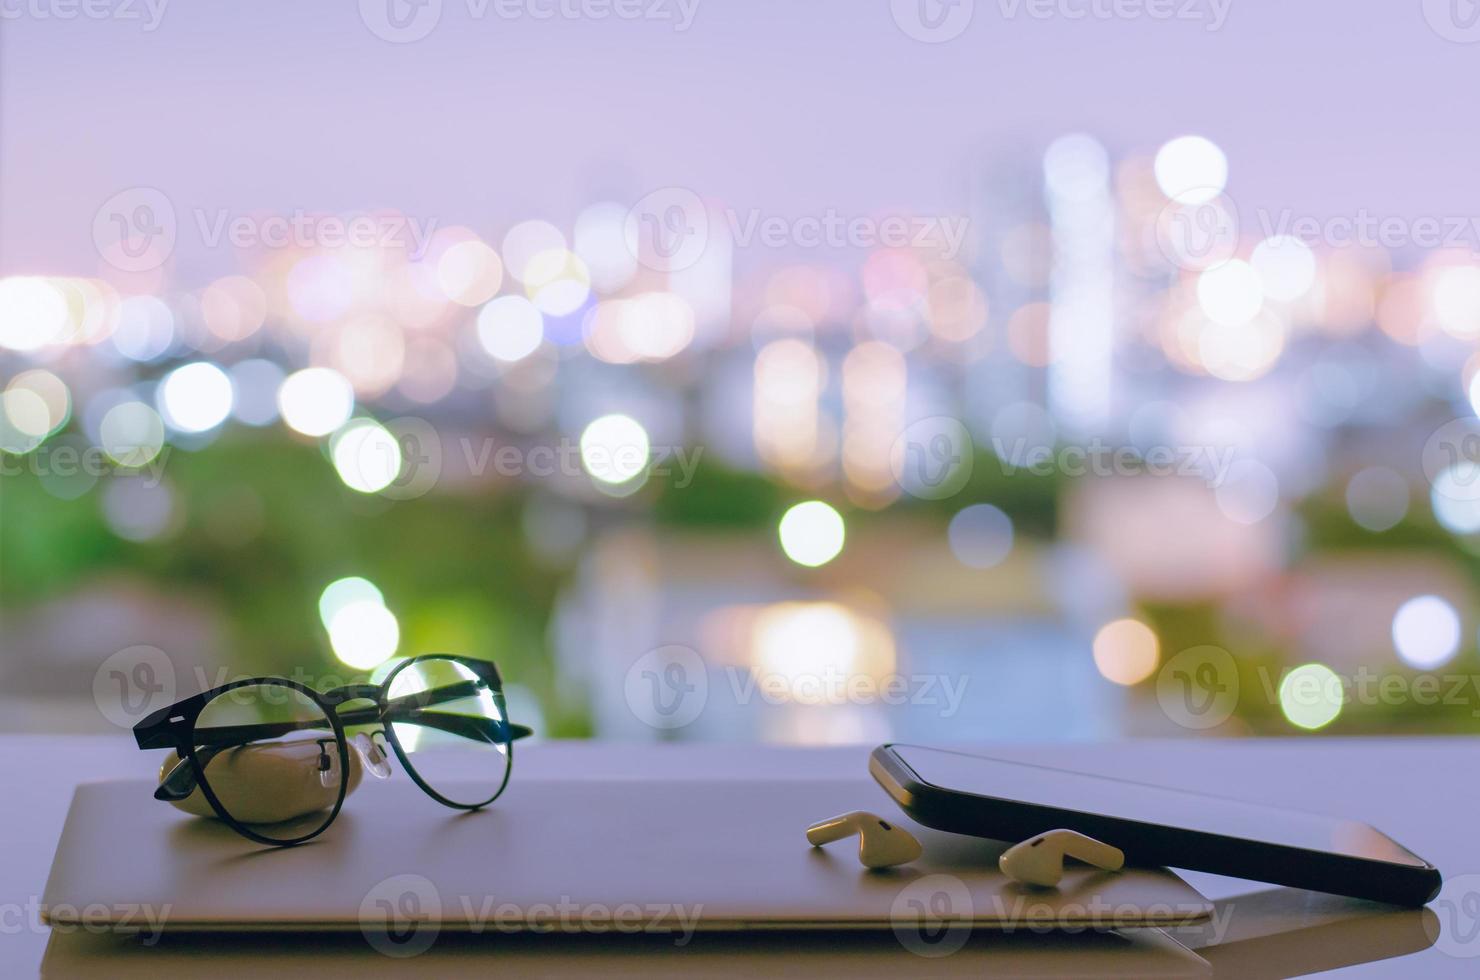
<point x="1064" y="790"/>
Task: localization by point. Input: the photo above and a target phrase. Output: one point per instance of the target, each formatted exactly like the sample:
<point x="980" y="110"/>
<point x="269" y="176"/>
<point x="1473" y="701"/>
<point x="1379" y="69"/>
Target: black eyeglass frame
<point x="174" y="728"/>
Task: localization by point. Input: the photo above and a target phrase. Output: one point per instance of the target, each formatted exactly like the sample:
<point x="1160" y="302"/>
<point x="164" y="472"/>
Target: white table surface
<point x="1424" y="792"/>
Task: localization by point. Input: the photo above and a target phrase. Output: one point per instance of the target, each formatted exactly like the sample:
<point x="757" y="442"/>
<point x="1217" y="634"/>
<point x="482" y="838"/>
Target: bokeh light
<point x="316" y="401"/>
<point x="1191" y="170"/>
<point x="614" y="449"/>
<point x="1311" y="696"/>
<point x="233" y="307"/>
<point x="195" y="397"/>
<point x="1457" y="301"/>
<point x="344" y="592"/>
<point x="366" y="456"/>
<point x="980" y="536"/>
<point x="131" y="433"/>
<point x="1455" y="497"/>
<point x="37" y="402"/>
<point x="811" y="533"/>
<point x="510" y="328"/>
<point x="1126" y="651"/>
<point x="1426" y="632"/>
<point x="526" y="240"/>
<point x="1286" y="267"/>
<point x="470" y="273"/>
<point x="364" y="634"/>
<point x="557" y="281"/>
<point x="145" y="329"/>
<point x="33" y="313"/>
<point x="1230" y="292"/>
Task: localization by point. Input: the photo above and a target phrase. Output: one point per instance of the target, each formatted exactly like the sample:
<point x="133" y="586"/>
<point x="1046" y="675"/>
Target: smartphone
<point x="970" y="794"/>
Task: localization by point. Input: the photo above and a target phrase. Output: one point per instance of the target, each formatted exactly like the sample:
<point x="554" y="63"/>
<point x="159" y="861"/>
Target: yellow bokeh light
<point x="1311" y="696"/>
<point x="37" y="402"/>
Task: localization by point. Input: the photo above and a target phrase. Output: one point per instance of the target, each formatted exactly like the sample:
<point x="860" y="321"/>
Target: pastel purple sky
<point x="791" y="106"/>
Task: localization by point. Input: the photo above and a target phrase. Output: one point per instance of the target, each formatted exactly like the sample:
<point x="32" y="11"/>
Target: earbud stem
<point x="833" y="828"/>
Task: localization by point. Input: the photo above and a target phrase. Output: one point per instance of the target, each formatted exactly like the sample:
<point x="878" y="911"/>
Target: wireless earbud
<point x="1040" y="860"/>
<point x="880" y="844"/>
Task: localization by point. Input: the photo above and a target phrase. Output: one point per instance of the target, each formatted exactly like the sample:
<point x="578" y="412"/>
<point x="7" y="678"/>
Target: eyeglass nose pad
<point x="328" y="764"/>
<point x="373" y="755"/>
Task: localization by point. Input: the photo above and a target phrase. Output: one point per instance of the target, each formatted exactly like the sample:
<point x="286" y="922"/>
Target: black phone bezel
<point x="972" y="814"/>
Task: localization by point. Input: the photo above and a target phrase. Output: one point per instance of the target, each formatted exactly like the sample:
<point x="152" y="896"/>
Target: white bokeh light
<point x="316" y="401"/>
<point x="1230" y="292"/>
<point x="614" y="449"/>
<point x="364" y="634"/>
<point x="366" y="456"/>
<point x="195" y="397"/>
<point x="1286" y="267"/>
<point x="812" y="533"/>
<point x="510" y="328"/>
<point x="33" y="313"/>
<point x="343" y="592"/>
<point x="1457" y="301"/>
<point x="1455" y="497"/>
<point x="1191" y="170"/>
<point x="1426" y="632"/>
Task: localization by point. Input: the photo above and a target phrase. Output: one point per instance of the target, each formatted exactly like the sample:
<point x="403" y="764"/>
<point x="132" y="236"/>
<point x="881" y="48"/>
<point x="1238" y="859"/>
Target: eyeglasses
<point x="275" y="759"/>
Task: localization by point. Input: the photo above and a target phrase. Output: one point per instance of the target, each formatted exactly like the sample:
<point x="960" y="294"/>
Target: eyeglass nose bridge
<point x="351" y="692"/>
